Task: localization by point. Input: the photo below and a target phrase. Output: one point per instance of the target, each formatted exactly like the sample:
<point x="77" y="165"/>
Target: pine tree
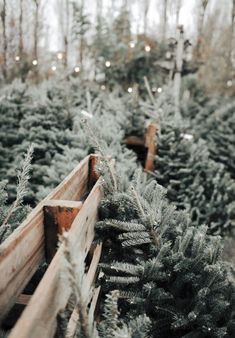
<point x="194" y="181"/>
<point x="163" y="266"/>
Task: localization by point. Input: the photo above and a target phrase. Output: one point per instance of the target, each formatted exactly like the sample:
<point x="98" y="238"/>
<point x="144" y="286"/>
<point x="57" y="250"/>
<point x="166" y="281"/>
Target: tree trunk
<point x="178" y="8"/>
<point x="82" y="41"/>
<point x="146" y="9"/>
<point x="164" y="24"/>
<point x="178" y="68"/>
<point x="21" y="42"/>
<point x="4" y="33"/>
<point x="202" y="11"/>
<point x="66" y="34"/>
<point x="232" y="42"/>
<point x="36" y="26"/>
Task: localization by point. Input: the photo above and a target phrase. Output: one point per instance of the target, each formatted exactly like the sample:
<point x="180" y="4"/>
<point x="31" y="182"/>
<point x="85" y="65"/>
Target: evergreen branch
<point x="76" y="280"/>
<point x="21" y="189"/>
<point x="105" y="158"/>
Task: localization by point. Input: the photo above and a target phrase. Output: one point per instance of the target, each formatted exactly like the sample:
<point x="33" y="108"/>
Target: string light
<point x="77" y="69"/>
<point x="168" y="55"/>
<point x="17" y="58"/>
<point x="53" y="68"/>
<point x="229" y="83"/>
<point x="130" y="90"/>
<point x="86" y="114"/>
<point x="103" y="87"/>
<point x="187" y="136"/>
<point x="159" y="90"/>
<point x="147" y="48"/>
<point x="107" y="64"/>
<point x="59" y="56"/>
<point x="35" y="62"/>
<point x="132" y="44"/>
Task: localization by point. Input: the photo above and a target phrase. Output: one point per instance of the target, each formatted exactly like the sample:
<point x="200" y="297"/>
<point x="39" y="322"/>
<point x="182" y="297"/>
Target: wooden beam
<point x="151" y="145"/>
<point x="58" y="216"/>
<point x="23" y="251"/>
<point x="135" y="141"/>
<point x="93" y="175"/>
<point x="39" y="317"/>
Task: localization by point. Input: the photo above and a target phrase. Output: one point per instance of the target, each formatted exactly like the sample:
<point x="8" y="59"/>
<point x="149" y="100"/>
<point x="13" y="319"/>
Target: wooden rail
<point x="148" y="144"/>
<point x="72" y="205"/>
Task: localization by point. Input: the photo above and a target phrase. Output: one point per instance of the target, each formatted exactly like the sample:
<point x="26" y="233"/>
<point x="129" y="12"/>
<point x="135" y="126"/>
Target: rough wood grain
<point x="23" y="251"/>
<point x="135" y="141"/>
<point x="23" y="299"/>
<point x="90" y="277"/>
<point x="58" y="216"/>
<point x="39" y="317"/>
<point x="150" y="144"/>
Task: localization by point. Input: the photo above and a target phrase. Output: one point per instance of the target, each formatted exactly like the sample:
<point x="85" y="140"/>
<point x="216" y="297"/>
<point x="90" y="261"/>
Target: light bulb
<point x="35" y="62"/>
<point x="168" y="55"/>
<point x="17" y="58"/>
<point x="130" y="90"/>
<point x="107" y="64"/>
<point x="103" y="87"/>
<point x="77" y="69"/>
<point x="132" y="44"/>
<point x="187" y="136"/>
<point x="147" y="48"/>
<point x="59" y="56"/>
<point x="159" y="90"/>
<point x="53" y="68"/>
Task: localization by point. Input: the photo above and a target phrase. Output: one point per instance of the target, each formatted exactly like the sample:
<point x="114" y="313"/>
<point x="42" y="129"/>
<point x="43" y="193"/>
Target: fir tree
<point x="163" y="266"/>
<point x="12" y="215"/>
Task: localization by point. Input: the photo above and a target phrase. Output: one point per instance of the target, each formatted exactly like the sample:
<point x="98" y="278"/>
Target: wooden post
<point x="58" y="216"/>
<point x="151" y="145"/>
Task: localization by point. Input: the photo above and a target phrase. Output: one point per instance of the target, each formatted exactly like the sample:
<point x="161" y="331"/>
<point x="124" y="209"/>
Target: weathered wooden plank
<point x="90" y="277"/>
<point x="94" y="302"/>
<point x="135" y="141"/>
<point x="23" y="251"/>
<point x="39" y="317"/>
<point x="23" y="299"/>
<point x="150" y="144"/>
<point x="58" y="216"/>
<point x="73" y="321"/>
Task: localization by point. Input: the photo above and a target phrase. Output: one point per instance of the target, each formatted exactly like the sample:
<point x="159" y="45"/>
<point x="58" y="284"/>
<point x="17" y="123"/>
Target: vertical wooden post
<point x="151" y="145"/>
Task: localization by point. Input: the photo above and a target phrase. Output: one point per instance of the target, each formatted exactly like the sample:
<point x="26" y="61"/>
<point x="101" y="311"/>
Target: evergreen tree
<point x="194" y="181"/>
<point x="163" y="266"/>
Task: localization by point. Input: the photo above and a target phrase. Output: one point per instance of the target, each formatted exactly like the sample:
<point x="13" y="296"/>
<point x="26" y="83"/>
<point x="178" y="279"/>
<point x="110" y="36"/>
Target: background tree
<point x="4" y="36"/>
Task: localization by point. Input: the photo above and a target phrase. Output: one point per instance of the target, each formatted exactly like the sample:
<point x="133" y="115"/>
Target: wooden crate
<point x="72" y="205"/>
<point x="146" y="145"/>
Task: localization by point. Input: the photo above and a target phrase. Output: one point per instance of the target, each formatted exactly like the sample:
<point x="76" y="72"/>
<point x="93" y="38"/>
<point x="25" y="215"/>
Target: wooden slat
<point x="23" y="251"/>
<point x="39" y="317"/>
<point x="90" y="277"/>
<point x="150" y="144"/>
<point x="73" y="321"/>
<point x="134" y="141"/>
<point x="23" y="299"/>
<point x="58" y="216"/>
<point x="94" y="302"/>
